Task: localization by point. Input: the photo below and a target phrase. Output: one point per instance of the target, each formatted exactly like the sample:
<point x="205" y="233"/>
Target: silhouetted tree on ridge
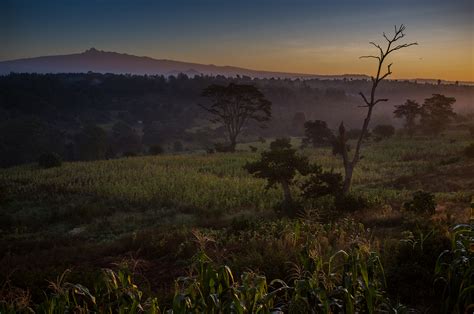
<point x="410" y="110"/>
<point x="436" y="113"/>
<point x="234" y="105"/>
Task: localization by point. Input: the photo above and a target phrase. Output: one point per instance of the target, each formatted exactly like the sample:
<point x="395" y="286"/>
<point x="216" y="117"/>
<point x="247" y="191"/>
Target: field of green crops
<point x="217" y="182"/>
<point x="87" y="215"/>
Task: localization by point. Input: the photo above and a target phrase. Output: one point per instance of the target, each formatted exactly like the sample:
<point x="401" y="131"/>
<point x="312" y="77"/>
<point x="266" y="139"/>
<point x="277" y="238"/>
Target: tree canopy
<point x="235" y="105"/>
<point x="410" y="110"/>
<point x="436" y="113"/>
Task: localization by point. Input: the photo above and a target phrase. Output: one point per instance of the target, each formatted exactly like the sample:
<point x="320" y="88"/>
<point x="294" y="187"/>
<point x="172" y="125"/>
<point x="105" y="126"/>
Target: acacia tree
<point x="370" y="102"/>
<point x="235" y="105"/>
<point x="436" y="113"/>
<point x="410" y="110"/>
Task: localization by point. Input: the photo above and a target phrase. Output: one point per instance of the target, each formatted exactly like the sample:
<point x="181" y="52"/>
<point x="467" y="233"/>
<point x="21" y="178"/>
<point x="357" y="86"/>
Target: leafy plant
<point x="351" y="202"/>
<point x="280" y="165"/>
<point x="114" y="292"/>
<point x="455" y="272"/>
<point x="421" y="202"/>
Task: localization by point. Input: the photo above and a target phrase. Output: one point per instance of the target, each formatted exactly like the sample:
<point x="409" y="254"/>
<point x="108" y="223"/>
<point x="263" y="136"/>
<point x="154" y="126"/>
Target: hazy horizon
<point x="295" y="37"/>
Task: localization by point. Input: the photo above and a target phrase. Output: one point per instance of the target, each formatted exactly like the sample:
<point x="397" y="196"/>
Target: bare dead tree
<point x="370" y="102"/>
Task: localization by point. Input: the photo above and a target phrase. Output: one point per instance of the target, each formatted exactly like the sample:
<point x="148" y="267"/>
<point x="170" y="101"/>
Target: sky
<point x="301" y="36"/>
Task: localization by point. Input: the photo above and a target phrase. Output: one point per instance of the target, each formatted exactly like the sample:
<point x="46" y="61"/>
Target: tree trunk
<point x="349" y="169"/>
<point x="232" y="145"/>
<point x="286" y="192"/>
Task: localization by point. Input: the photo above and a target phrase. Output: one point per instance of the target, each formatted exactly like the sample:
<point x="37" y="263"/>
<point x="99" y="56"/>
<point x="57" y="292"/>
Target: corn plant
<point x="348" y="282"/>
<point x="214" y="290"/>
<point x="455" y="271"/>
<point x="114" y="293"/>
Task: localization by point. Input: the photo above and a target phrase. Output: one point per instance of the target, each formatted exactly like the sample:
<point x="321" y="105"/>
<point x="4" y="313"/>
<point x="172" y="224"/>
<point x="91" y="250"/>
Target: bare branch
<point x="375" y="57"/>
<point x="402" y="46"/>
<point x="365" y="99"/>
<point x="377" y="46"/>
<point x="380" y="100"/>
<point x="386" y="74"/>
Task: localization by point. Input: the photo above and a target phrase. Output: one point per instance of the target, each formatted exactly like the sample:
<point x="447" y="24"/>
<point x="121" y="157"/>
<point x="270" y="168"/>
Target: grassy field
<point x="88" y="215"/>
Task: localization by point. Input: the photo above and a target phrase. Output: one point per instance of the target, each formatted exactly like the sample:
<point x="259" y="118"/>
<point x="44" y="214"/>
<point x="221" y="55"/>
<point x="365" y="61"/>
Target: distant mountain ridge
<point x="113" y="62"/>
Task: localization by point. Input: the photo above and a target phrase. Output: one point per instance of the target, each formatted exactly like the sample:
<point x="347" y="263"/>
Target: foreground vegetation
<point x="140" y="219"/>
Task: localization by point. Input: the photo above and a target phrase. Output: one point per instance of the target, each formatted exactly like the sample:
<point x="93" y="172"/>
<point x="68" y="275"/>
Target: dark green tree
<point x="125" y="138"/>
<point x="156" y="149"/>
<point x="436" y="113"/>
<point x="409" y="111"/>
<point x="384" y="131"/>
<point x="234" y="106"/>
<point x="91" y="143"/>
<point x="23" y="140"/>
<point x="280" y="165"/>
<point x="321" y="183"/>
<point x="317" y="133"/>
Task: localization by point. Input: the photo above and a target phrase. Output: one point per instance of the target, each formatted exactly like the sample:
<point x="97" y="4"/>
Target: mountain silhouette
<point x="112" y="62"/>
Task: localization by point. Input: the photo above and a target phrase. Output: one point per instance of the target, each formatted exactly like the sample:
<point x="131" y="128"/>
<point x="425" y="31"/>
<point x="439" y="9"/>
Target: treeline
<point x="69" y="114"/>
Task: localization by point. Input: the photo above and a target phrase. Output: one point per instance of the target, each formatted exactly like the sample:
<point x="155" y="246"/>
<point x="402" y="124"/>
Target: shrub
<point x="454" y="272"/>
<point x="351" y="202"/>
<point x="469" y="151"/>
<point x="49" y="160"/>
<point x="317" y="133"/>
<point x="222" y="148"/>
<point x="384" y="131"/>
<point x="210" y="150"/>
<point x="178" y="146"/>
<point x="354" y="134"/>
<point x="288" y="208"/>
<point x="156" y="149"/>
<point x="410" y="263"/>
<point x="322" y="183"/>
<point x="421" y="202"/>
<point x="129" y="154"/>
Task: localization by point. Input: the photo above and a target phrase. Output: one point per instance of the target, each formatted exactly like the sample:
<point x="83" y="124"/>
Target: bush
<point x="49" y="160"/>
<point x="354" y="134"/>
<point x="155" y="149"/>
<point x="351" y="202"/>
<point x="322" y="183"/>
<point x="178" y="146"/>
<point x="455" y="272"/>
<point x="288" y="208"/>
<point x="129" y="154"/>
<point x="384" y="131"/>
<point x="222" y="148"/>
<point x="421" y="202"/>
<point x="410" y="263"/>
<point x="469" y="151"/>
